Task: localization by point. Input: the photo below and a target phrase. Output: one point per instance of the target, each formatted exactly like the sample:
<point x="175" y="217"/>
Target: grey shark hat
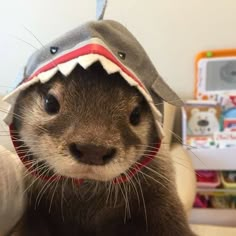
<point x="117" y="50"/>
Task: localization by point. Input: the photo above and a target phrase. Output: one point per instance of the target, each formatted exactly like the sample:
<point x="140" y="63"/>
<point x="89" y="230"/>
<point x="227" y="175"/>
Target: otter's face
<point x="89" y="125"/>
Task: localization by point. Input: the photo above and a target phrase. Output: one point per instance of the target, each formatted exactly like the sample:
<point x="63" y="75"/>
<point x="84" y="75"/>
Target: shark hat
<point x="108" y="42"/>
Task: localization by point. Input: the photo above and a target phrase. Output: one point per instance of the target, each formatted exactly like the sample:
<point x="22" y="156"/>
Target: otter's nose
<point x="92" y="154"/>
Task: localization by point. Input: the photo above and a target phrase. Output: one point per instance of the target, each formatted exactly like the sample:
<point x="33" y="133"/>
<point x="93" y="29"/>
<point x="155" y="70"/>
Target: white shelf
<point x="217" y="190"/>
<point x="213" y="159"/>
<point x="222" y="217"/>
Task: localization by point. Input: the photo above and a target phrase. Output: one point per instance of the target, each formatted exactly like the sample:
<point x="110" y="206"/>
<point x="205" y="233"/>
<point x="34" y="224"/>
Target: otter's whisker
<point x="126" y="201"/>
<point x="52" y="196"/>
<point x="144" y="204"/>
<point x="109" y="192"/>
<point x="62" y="199"/>
<point x="35" y="180"/>
<point x="157" y="173"/>
<point x="24" y="41"/>
<point x="150" y="177"/>
<point x="132" y="181"/>
<point x="19" y="117"/>
<point x="125" y="185"/>
<point x="47" y="184"/>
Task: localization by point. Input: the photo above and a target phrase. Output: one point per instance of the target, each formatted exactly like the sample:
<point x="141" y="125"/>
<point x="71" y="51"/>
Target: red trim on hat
<point x="85" y="50"/>
<point x="122" y="178"/>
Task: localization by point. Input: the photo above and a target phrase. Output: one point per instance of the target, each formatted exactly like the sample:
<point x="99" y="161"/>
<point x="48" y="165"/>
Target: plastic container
<point x="228" y="179"/>
<point x="201" y="201"/>
<point x="207" y="179"/>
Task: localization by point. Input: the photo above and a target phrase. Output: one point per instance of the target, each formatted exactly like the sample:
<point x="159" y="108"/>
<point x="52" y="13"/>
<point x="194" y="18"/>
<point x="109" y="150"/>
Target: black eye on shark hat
<point x="122" y="55"/>
<point x="54" y="49"/>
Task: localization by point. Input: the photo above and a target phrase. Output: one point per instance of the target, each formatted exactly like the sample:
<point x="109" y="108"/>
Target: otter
<point x="85" y="121"/>
<point x="83" y="138"/>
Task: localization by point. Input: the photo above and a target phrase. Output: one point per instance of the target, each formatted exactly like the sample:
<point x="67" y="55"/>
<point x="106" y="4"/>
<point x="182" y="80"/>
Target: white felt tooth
<point x="87" y="60"/>
<point x="157" y="113"/>
<point x="146" y="95"/>
<point x="47" y="75"/>
<point x="11" y="97"/>
<point x="108" y="65"/>
<point x="160" y="129"/>
<point x="9" y="116"/>
<point x="131" y="81"/>
<point x="67" y="67"/>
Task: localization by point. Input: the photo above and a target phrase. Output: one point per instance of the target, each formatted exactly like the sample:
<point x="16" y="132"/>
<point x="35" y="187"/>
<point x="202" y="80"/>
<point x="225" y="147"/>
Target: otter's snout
<point x="92" y="154"/>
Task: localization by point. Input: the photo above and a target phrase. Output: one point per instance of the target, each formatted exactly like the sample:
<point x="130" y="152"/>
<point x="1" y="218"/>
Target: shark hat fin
<point x="100" y="9"/>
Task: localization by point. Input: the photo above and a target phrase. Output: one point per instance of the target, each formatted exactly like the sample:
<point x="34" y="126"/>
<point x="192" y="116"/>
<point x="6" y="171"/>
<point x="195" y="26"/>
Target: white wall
<point x="172" y="31"/>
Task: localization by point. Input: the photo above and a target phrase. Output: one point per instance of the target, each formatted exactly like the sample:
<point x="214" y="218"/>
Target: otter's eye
<point x="135" y="116"/>
<point x="51" y="104"/>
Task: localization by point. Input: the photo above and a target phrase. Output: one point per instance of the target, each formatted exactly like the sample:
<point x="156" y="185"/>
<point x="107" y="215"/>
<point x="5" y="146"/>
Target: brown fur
<point x="95" y="109"/>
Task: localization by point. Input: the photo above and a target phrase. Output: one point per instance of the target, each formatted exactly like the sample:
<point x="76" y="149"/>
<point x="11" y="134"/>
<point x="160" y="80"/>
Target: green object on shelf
<point x="209" y="54"/>
<point x="221" y="122"/>
<point x="212" y="143"/>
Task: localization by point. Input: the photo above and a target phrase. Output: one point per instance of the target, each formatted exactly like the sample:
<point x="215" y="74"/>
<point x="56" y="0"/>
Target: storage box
<point x="207" y="179"/>
<point x="225" y="181"/>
